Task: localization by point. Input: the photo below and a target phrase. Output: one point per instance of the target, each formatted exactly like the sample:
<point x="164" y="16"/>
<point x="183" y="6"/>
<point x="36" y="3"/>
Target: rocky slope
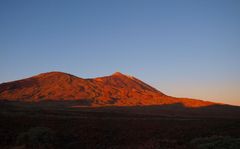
<point x="117" y="89"/>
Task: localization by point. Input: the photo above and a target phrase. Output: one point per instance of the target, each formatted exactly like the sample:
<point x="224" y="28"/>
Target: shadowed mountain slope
<point x="117" y="89"/>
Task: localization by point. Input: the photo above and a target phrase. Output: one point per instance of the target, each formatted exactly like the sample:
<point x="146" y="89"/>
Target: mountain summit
<point x="117" y="89"/>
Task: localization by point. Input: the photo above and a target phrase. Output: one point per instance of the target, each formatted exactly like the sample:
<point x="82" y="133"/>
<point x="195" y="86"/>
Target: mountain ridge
<point x="116" y="89"/>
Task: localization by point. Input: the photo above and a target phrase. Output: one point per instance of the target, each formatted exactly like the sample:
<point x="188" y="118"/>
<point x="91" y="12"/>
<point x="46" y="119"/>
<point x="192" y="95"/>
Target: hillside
<point x="117" y="89"/>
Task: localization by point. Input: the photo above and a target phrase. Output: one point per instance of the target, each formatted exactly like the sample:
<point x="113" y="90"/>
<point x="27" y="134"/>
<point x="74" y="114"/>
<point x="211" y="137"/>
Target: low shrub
<point x="216" y="142"/>
<point x="37" y="138"/>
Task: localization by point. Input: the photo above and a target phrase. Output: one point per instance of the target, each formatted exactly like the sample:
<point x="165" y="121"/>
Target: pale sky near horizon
<point x="187" y="48"/>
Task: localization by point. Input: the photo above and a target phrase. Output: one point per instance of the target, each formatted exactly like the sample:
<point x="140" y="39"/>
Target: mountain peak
<point x="118" y="74"/>
<point x="53" y="73"/>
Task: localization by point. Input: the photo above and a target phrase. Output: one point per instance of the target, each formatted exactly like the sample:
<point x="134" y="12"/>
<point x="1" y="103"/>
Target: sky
<point x="187" y="48"/>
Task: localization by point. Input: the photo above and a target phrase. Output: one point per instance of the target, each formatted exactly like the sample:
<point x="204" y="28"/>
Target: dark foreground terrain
<point x="62" y="125"/>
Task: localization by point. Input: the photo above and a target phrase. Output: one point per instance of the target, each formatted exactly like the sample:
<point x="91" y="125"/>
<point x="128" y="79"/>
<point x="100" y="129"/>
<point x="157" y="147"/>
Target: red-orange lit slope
<point x="117" y="89"/>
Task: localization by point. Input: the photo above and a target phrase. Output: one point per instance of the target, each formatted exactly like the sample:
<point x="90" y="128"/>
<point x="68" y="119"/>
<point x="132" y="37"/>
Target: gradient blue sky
<point x="183" y="48"/>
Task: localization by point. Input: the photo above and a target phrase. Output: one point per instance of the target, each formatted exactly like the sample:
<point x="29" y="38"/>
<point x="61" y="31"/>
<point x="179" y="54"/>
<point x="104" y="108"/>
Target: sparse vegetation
<point x="51" y="125"/>
<point x="217" y="142"/>
<point x="37" y="138"/>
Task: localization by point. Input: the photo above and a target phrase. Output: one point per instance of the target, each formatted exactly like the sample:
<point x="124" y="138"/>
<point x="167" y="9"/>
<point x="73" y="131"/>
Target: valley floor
<point x="24" y="125"/>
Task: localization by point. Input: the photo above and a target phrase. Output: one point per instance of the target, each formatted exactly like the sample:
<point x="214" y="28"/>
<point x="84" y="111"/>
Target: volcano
<point x="117" y="89"/>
